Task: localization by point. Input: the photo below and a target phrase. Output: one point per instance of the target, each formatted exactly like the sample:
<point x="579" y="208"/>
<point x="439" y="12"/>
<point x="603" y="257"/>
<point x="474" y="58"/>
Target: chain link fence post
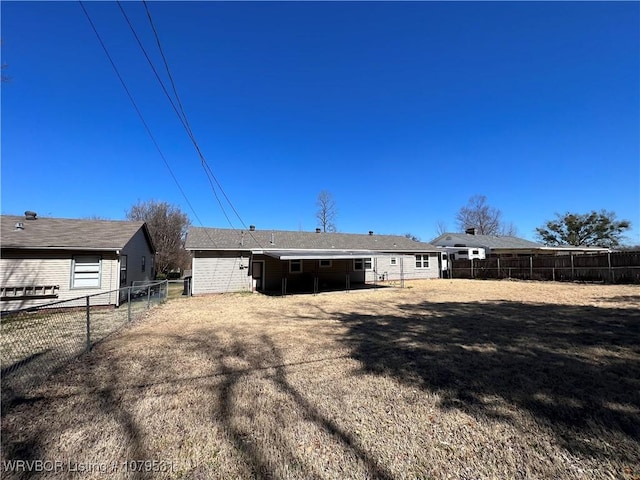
<point x="128" y="304"/>
<point x="88" y="325"/>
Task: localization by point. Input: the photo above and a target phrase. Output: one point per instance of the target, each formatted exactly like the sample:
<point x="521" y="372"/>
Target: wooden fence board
<point x="617" y="267"/>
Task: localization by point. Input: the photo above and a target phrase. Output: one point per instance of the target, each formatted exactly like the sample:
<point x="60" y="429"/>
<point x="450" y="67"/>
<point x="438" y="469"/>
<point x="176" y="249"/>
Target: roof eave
<point x="78" y="248"/>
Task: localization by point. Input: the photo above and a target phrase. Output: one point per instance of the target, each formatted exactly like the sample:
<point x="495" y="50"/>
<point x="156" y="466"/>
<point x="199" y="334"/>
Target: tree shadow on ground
<point x="576" y="370"/>
<point x="239" y="376"/>
<point x="265" y="359"/>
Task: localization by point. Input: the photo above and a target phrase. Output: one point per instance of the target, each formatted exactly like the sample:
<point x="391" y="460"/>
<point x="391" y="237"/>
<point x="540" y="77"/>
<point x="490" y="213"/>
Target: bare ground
<point x="445" y="379"/>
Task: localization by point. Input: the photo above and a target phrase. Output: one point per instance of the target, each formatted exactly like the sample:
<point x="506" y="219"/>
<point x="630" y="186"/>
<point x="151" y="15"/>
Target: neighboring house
<point x="225" y="260"/>
<point x="43" y="260"/>
<point x="506" y="246"/>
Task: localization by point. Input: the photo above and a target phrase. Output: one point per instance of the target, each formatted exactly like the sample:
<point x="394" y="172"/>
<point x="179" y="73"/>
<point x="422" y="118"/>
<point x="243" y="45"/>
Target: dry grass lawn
<point x="445" y="379"/>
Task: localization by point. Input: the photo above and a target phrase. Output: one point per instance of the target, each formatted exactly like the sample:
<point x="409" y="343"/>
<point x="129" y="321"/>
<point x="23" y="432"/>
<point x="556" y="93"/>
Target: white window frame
<point x="364" y="261"/>
<point x="295" y="262"/>
<point x="393" y="261"/>
<point x="421" y="260"/>
<point x="327" y="265"/>
<point x="92" y="276"/>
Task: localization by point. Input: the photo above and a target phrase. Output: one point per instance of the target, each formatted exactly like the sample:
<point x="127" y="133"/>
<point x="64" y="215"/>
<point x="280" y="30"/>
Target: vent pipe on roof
<point x="370" y="232"/>
<point x="318" y="230"/>
<point x="252" y="228"/>
<point x="19" y="226"/>
<point x="29" y="215"/>
<point x="273" y="239"/>
<point x="471" y="231"/>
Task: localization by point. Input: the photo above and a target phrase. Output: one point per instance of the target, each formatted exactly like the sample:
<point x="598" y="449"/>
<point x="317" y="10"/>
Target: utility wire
<point x="185" y="123"/>
<point x="182" y="120"/>
<point x="144" y="123"/>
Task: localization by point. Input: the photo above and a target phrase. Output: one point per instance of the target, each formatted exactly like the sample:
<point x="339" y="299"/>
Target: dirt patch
<point x="444" y="379"/>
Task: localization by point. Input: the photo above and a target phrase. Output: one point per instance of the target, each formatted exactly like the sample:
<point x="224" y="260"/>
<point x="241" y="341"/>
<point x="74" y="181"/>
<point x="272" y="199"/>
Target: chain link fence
<point x="38" y="340"/>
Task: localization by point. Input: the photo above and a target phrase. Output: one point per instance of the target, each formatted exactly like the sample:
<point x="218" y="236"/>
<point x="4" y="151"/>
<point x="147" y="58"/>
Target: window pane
<point x="86" y="272"/>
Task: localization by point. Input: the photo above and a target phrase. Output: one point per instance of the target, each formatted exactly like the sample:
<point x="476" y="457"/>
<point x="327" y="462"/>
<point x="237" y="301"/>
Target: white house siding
<point x="136" y="248"/>
<point x="220" y="272"/>
<point x="31" y="268"/>
<point x="405" y="263"/>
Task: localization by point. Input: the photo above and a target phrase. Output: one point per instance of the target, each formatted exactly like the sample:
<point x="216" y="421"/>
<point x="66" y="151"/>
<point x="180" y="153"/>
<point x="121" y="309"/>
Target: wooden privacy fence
<point x="619" y="267"/>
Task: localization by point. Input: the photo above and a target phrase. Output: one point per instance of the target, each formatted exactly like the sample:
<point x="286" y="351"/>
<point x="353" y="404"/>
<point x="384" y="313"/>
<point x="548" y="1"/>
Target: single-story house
<point x="228" y="260"/>
<point x="507" y="246"/>
<point x="45" y="260"/>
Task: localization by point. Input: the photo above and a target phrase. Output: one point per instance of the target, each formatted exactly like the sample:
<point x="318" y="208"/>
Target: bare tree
<point x="168" y="227"/>
<point x="413" y="237"/>
<point x="508" y="230"/>
<point x="441" y="228"/>
<point x="486" y="219"/>
<point x="327" y="211"/>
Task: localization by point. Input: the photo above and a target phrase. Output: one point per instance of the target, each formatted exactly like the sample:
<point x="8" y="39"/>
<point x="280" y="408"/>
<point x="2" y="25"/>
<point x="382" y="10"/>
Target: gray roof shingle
<point x="67" y="233"/>
<point x="487" y="241"/>
<point x="227" y="239"/>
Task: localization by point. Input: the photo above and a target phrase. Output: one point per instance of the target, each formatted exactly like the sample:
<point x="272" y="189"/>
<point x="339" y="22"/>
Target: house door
<point x="257" y="269"/>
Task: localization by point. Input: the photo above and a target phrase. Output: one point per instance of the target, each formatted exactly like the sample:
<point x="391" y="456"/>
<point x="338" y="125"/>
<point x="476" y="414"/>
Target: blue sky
<point x="402" y="110"/>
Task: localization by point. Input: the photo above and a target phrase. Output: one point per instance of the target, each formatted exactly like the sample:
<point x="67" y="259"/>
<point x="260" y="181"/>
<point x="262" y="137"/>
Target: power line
<point x="144" y="123"/>
<point x="153" y="68"/>
<point x="187" y="127"/>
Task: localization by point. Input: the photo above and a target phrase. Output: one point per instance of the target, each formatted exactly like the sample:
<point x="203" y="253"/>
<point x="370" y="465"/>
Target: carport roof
<point x="319" y="254"/>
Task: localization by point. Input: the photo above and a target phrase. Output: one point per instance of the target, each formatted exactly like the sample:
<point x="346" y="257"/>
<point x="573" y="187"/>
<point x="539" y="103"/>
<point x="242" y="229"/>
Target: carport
<point x="313" y="271"/>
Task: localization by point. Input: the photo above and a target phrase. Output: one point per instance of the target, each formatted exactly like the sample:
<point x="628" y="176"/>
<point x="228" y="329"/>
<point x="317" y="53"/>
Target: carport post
<point x="610" y="269"/>
<point x="128" y="304"/>
<point x="375" y="271"/>
<point x="347" y="277"/>
<point x="315" y="278"/>
<point x="148" y="296"/>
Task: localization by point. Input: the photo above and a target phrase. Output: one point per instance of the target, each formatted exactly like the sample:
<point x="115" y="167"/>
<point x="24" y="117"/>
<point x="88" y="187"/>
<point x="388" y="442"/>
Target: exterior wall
<point x="220" y="272"/>
<point x="383" y="268"/>
<point x="20" y="268"/>
<point x="135" y="249"/>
